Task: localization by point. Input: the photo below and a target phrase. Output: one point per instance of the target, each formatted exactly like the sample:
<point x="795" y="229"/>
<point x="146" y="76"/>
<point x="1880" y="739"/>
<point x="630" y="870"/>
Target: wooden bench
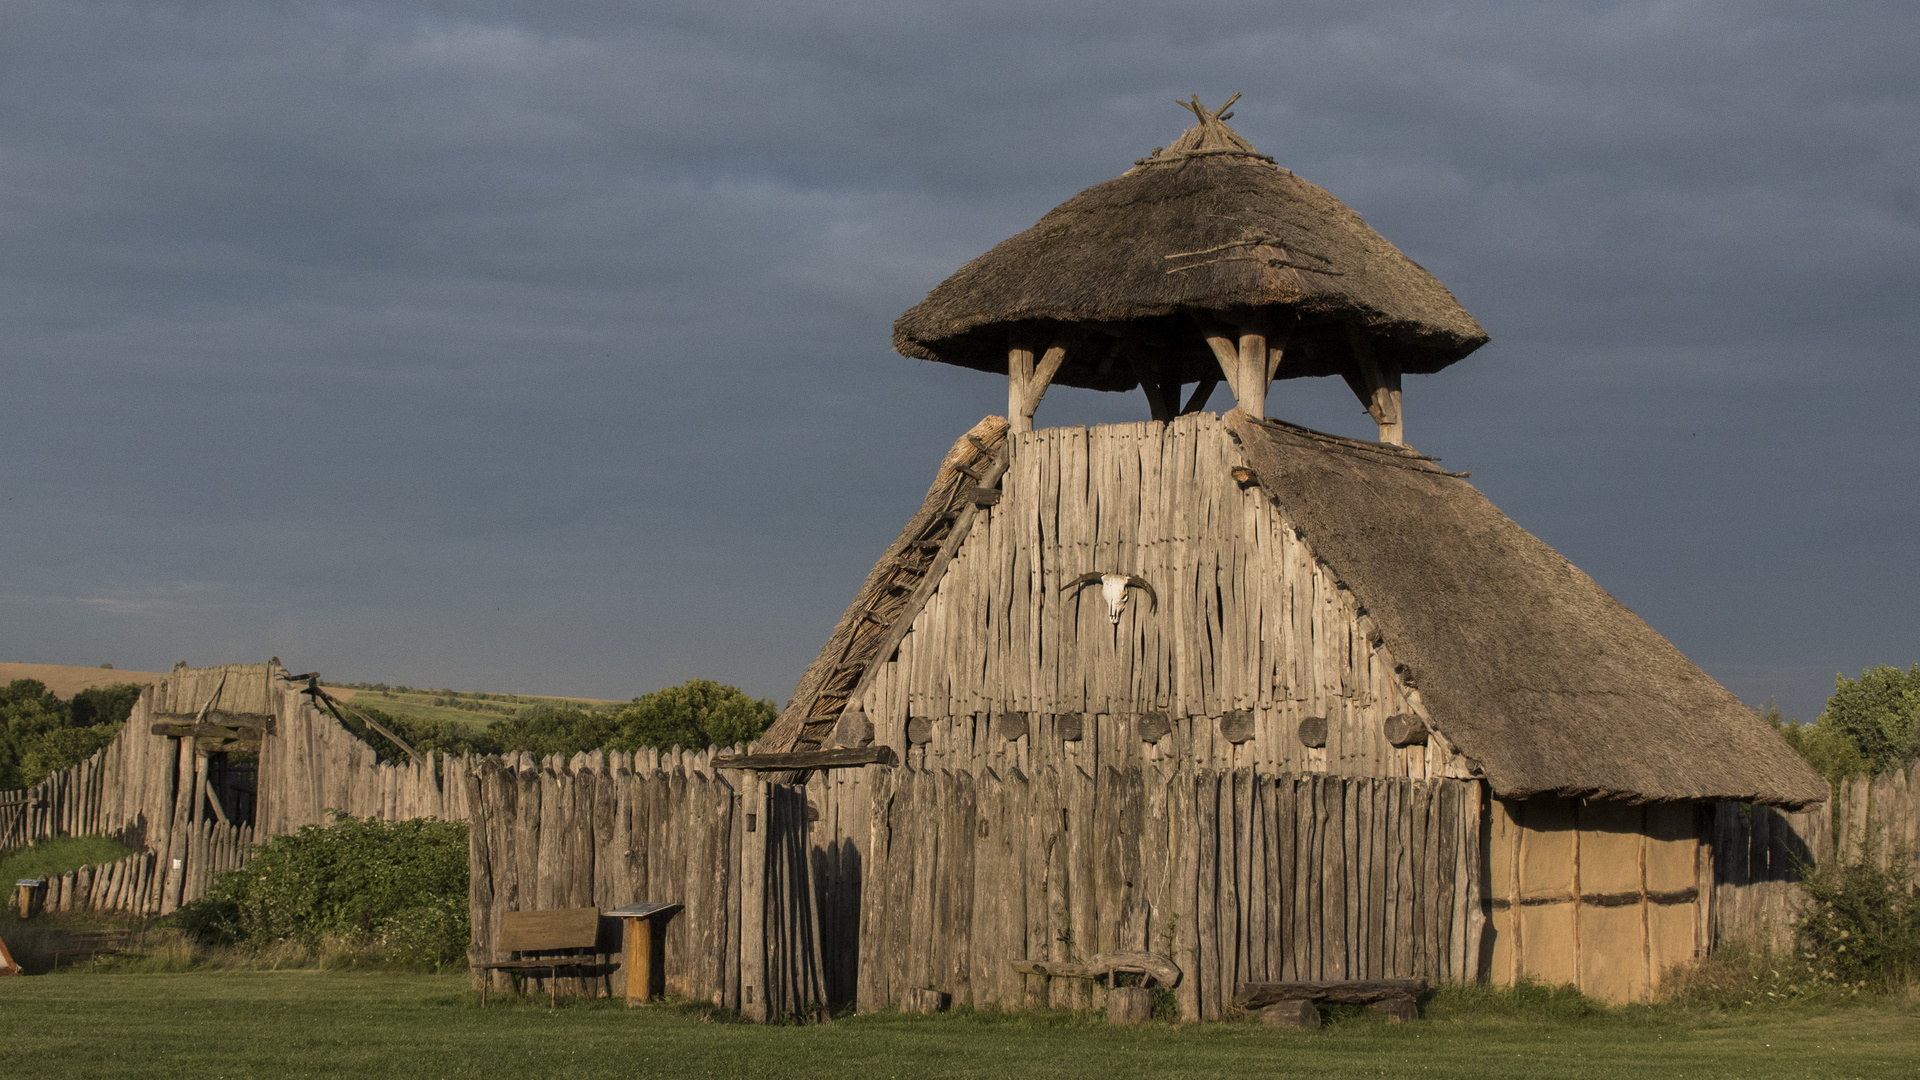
<point x="93" y="943"/>
<point x="549" y="941"/>
<point x="1292" y="1004"/>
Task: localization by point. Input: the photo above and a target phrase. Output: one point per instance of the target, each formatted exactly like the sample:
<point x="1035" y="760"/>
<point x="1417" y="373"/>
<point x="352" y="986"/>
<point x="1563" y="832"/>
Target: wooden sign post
<point x="640" y="960"/>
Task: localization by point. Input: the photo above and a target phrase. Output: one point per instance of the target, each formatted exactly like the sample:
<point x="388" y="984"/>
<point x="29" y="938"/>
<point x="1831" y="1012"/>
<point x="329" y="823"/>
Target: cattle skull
<point x="1113" y="589"/>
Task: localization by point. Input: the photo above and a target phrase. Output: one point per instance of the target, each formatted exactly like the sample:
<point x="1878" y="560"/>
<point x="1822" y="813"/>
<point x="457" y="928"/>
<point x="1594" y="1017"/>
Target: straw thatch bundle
<point x="1523" y="661"/>
<point x="1208" y="227"/>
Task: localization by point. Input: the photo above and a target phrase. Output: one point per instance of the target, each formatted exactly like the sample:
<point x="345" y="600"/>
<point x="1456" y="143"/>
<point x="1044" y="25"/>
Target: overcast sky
<point x="544" y="347"/>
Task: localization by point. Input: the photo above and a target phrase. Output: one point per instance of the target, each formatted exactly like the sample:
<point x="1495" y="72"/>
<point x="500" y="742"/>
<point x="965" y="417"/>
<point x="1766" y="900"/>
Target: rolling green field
<point x="472" y="708"/>
<point x="365" y="1026"/>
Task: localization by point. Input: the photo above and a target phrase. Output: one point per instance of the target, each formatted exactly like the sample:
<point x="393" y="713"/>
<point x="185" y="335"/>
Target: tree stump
<point x="1129" y="1005"/>
<point x="1297" y="1013"/>
<point x="1395" y="1010"/>
<point x="926" y="1001"/>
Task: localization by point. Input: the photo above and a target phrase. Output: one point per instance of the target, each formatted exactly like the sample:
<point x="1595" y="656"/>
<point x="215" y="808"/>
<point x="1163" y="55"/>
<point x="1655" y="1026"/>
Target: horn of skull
<point x="1113" y="589"/>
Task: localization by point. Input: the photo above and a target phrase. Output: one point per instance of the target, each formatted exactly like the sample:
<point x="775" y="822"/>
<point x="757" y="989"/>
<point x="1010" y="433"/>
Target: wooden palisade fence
<point x="866" y="883"/>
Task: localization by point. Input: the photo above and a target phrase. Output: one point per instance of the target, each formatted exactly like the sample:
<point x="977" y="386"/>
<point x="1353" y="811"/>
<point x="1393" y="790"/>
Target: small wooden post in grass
<point x="640" y="959"/>
<point x="27" y="890"/>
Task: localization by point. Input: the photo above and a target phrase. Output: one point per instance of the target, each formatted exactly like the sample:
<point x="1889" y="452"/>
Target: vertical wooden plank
<point x="1423" y="897"/>
<point x="1208" y="884"/>
<point x="876" y="873"/>
<point x="1184" y="889"/>
<point x="1452" y="854"/>
<point x="1131" y="839"/>
<point x="920" y="908"/>
<point x="1083" y="883"/>
<point x="753" y="898"/>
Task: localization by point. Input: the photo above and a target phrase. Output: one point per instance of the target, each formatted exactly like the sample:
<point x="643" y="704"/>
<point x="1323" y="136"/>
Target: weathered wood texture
<point x="1251" y="633"/>
<point x="1061" y="867"/>
<point x="605" y="830"/>
<point x="1757" y="851"/>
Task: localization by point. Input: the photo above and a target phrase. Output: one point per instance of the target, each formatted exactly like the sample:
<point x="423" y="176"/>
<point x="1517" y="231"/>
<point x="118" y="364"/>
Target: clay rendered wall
<point x="1604" y="895"/>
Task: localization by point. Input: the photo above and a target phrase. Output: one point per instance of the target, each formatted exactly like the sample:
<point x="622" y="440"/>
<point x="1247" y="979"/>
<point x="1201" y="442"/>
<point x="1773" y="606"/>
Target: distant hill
<point x="66" y="681"/>
<point x="470" y="707"/>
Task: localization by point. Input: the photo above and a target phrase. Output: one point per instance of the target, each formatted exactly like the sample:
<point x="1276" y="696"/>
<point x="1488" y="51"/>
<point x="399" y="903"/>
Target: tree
<point x="1879" y="713"/>
<point x="40" y="734"/>
<point x="695" y="715"/>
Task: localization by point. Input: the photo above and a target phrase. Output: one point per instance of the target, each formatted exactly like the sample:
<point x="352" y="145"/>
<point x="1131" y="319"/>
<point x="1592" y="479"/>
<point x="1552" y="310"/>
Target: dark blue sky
<point x="544" y="347"/>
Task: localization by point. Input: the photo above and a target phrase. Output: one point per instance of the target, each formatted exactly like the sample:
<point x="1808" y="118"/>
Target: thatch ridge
<point x="1523" y="661"/>
<point x="1208" y="227"/>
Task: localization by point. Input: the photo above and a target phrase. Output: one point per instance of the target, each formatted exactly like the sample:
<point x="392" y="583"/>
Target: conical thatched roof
<point x="1524" y="662"/>
<point x="1206" y="227"/>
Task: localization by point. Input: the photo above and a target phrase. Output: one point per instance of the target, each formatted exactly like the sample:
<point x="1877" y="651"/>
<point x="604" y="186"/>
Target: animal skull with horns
<point x="1113" y="588"/>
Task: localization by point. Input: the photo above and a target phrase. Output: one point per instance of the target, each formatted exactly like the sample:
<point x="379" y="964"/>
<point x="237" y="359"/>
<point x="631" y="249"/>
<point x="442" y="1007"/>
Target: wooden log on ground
<point x="1161" y="969"/>
<point x="925" y="1000"/>
<point x="1298" y="1013"/>
<point x="1253" y="995"/>
<point x="1395" y="1010"/>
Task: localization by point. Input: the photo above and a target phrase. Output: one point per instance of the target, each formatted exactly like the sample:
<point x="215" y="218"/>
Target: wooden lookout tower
<point x="1257" y="701"/>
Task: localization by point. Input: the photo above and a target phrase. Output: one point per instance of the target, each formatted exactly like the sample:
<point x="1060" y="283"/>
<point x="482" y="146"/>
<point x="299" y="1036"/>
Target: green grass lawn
<point x="207" y="1025"/>
<point x="55" y="855"/>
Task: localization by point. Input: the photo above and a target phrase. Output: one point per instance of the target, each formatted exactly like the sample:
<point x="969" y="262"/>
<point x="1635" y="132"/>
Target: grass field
<point x="480" y="709"/>
<point x="366" y="1026"/>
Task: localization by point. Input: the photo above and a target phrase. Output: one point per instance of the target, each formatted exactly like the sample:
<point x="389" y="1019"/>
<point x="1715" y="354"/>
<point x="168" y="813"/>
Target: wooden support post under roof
<point x="1248" y="359"/>
<point x="1378" y="388"/>
<point x="1027" y="380"/>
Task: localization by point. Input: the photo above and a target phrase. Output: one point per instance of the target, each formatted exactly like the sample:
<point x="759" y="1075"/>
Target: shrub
<point x="1861" y="929"/>
<point x="399" y="885"/>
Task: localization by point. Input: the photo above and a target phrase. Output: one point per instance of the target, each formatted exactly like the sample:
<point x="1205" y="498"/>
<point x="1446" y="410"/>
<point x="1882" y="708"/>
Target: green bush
<point x="1861" y="929"/>
<point x="698" y="714"/>
<point x="397" y="885"/>
<point x="40" y="734"/>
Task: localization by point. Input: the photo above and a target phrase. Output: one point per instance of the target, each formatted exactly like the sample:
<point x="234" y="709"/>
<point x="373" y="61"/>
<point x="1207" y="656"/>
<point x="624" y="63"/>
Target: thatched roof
<point x="1523" y="661"/>
<point x="1208" y="227"/>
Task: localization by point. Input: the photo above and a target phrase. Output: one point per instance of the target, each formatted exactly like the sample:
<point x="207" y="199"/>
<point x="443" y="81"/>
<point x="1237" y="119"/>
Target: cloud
<point x="545" y="346"/>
